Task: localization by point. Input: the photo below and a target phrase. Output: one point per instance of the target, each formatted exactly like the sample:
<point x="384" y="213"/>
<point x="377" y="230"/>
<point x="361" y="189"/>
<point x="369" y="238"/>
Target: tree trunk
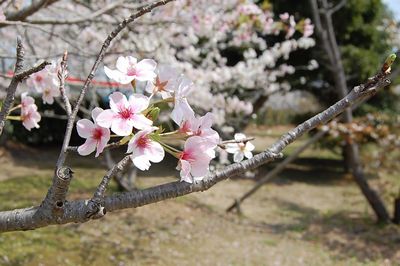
<point x="325" y="31"/>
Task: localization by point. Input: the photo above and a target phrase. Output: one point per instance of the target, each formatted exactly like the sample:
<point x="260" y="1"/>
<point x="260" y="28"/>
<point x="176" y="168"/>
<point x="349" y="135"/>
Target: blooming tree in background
<point x="234" y="51"/>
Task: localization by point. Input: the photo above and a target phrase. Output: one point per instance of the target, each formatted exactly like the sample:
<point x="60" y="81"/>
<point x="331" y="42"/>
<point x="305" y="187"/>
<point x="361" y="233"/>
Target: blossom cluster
<point x="133" y="119"/>
<point x="44" y="82"/>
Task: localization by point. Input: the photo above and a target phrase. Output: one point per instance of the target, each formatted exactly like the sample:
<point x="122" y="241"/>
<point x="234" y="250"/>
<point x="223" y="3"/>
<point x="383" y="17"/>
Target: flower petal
<point x="118" y="101"/>
<point x="155" y="152"/>
<point x="95" y="112"/>
<point x="105" y="118"/>
<point x="118" y="76"/>
<point x="121" y="127"/>
<point x="84" y="128"/>
<point x="139" y="121"/>
<point x="87" y="148"/>
<point x="122" y="64"/>
<point x="141" y="162"/>
<point x="238" y="157"/>
<point x="185" y="171"/>
<point x="138" y="102"/>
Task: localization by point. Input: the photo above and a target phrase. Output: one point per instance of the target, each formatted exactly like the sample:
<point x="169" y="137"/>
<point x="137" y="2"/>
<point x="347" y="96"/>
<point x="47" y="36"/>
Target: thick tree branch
<point x="80" y="211"/>
<point x="23" y="13"/>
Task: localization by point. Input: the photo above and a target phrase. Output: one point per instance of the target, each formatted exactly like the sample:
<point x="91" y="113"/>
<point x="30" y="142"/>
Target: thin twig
<point x="62" y="75"/>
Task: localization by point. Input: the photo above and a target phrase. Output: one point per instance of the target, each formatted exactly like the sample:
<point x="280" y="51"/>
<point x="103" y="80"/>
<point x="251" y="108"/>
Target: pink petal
<point x="121" y="127"/>
<point x="181" y="111"/>
<point x="139" y="121"/>
<point x="141" y="162"/>
<point x="200" y="167"/>
<point x="84" y="128"/>
<point x="118" y="76"/>
<point x="95" y="112"/>
<point x="207" y="120"/>
<point x="147" y="64"/>
<point x="122" y="64"/>
<point x="105" y="118"/>
<point x="193" y="143"/>
<point x="87" y="148"/>
<point x="185" y="171"/>
<point x="103" y="141"/>
<point x="138" y="102"/>
<point x="155" y="152"/>
<point x="118" y="101"/>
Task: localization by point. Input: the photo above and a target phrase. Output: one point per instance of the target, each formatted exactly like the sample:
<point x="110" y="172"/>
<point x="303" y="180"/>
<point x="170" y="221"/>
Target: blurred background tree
<point x="361" y="32"/>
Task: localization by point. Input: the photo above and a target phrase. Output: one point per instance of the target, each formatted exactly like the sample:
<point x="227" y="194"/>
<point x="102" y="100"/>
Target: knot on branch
<point x="63" y="178"/>
<point x="95" y="209"/>
<point x="64" y="173"/>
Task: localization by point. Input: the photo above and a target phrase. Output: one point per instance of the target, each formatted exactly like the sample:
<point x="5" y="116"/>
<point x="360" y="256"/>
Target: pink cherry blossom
<point x="200" y="126"/>
<point x="45" y="82"/>
<point x="49" y="93"/>
<point x="240" y="150"/>
<point x="308" y="28"/>
<point x="128" y="69"/>
<point x="26" y="100"/>
<point x="30" y="117"/>
<point x="182" y="108"/>
<point x="145" y="150"/>
<point x="195" y="159"/>
<point x="2" y="16"/>
<point x="95" y="135"/>
<point x="165" y="82"/>
<point x="125" y="115"/>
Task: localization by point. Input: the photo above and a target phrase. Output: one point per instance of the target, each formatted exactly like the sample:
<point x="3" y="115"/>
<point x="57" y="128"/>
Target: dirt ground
<point x="311" y="214"/>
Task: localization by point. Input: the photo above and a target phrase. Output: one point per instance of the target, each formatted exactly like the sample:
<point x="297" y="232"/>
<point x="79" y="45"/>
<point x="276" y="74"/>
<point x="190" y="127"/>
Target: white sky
<point x="394" y="6"/>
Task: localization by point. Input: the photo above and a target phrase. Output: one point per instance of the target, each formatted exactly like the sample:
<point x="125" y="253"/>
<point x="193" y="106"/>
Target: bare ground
<point x="310" y="215"/>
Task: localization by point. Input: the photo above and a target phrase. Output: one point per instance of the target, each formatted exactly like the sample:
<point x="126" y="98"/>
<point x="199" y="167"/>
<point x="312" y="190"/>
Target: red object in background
<point x="73" y="80"/>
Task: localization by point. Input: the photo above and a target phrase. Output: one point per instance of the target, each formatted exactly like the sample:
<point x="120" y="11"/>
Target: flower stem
<point x="171" y="150"/>
<point x="14" y="117"/>
<point x="15" y="107"/>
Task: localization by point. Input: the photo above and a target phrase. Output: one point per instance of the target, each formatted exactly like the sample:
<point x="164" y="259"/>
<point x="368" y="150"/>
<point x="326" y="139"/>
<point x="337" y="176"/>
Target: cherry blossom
<point x="240" y="150"/>
<point x="125" y="115"/>
<point x="2" y="16"/>
<point x="195" y="159"/>
<point x="145" y="150"/>
<point x="200" y="126"/>
<point x="26" y="100"/>
<point x="182" y="108"/>
<point x="165" y="82"/>
<point x="95" y="135"/>
<point x="308" y="28"/>
<point x="128" y="70"/>
<point x="30" y="117"/>
<point x="50" y="92"/>
<point x="46" y="83"/>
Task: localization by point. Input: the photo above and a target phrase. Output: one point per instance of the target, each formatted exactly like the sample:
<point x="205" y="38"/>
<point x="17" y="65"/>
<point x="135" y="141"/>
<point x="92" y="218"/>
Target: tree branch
<point x="79" y="211"/>
<point x="62" y="75"/>
<point x="86" y="19"/>
<point x="23" y="13"/>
